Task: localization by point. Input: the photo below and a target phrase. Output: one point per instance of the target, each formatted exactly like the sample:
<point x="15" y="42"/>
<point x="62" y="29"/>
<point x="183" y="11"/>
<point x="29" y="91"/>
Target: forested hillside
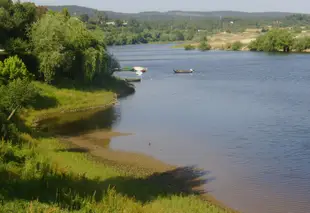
<point x="146" y="27"/>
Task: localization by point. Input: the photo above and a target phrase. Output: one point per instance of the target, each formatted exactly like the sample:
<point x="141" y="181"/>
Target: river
<point x="241" y="116"/>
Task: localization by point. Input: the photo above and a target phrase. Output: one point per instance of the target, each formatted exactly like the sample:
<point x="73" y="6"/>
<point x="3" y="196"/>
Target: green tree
<point x="236" y="46"/>
<point x="101" y="18"/>
<point x="204" y="46"/>
<point x="15" y="20"/>
<point x="13" y="68"/>
<point x="6" y="4"/>
<point x="84" y="18"/>
<point x="65" y="13"/>
<point x="133" y="23"/>
<point x="118" y="23"/>
<point x="67" y="49"/>
<point x="273" y="41"/>
<point x="179" y="36"/>
<point x="15" y="95"/>
<point x="189" y="47"/>
<point x="301" y="44"/>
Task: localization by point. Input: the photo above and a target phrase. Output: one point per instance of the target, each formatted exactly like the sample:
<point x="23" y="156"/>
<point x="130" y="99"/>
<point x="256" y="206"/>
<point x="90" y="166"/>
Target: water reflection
<point x="79" y="123"/>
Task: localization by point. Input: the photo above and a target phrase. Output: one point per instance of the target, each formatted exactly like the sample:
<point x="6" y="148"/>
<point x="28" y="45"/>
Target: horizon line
<point x="176" y="10"/>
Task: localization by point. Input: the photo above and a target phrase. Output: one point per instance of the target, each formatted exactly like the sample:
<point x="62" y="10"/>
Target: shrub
<point x="189" y="47"/>
<point x="204" y="46"/>
<point x="301" y="44"/>
<point x="13" y="68"/>
<point x="236" y="46"/>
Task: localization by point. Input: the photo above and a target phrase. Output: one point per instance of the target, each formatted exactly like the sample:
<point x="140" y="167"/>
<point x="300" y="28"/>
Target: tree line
<point x="42" y="45"/>
<point x="181" y="28"/>
<point x="280" y="40"/>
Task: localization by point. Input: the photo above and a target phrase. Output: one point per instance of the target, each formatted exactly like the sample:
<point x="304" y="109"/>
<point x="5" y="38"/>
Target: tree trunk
<point x="286" y="49"/>
<point x="12" y="113"/>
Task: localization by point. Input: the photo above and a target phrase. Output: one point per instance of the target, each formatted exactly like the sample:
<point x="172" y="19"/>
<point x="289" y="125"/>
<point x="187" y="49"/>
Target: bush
<point x="273" y="41"/>
<point x="301" y="44"/>
<point x="189" y="47"/>
<point x="297" y="30"/>
<point x="236" y="46"/>
<point x="13" y="68"/>
<point x="16" y="94"/>
<point x="204" y="46"/>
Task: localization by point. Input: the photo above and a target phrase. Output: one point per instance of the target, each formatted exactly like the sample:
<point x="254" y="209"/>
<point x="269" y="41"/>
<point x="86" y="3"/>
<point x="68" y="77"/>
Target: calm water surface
<point x="242" y="116"/>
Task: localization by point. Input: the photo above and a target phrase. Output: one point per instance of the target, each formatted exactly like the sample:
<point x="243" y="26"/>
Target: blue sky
<point x="302" y="6"/>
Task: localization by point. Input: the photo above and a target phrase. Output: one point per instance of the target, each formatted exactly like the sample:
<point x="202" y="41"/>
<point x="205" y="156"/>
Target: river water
<point x="242" y="116"/>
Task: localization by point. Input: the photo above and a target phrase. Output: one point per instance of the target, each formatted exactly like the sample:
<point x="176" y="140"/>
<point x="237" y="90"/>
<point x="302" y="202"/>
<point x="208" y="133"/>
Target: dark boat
<point x="132" y="79"/>
<point x="183" y="71"/>
<point x="125" y="69"/>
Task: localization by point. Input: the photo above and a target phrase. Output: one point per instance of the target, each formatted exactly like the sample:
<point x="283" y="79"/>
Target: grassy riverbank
<point x="44" y="174"/>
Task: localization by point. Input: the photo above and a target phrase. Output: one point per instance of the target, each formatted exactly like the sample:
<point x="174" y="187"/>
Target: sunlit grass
<point x="64" y="100"/>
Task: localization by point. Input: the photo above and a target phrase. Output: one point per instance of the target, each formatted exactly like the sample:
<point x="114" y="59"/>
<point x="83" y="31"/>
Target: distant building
<point x="125" y="23"/>
<point x="110" y="23"/>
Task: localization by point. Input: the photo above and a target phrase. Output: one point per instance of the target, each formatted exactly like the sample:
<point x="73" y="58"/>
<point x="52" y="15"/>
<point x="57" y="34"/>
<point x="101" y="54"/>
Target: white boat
<point x="142" y="69"/>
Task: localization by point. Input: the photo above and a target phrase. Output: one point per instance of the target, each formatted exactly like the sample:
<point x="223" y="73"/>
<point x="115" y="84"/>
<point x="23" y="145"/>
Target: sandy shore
<point x="95" y="144"/>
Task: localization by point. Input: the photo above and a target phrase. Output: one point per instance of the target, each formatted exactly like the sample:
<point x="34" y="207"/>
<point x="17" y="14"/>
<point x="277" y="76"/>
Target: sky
<point x="133" y="6"/>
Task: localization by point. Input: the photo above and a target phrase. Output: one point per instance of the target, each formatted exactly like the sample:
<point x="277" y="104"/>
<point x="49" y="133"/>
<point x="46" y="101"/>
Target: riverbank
<point x="298" y="42"/>
<point x="54" y="174"/>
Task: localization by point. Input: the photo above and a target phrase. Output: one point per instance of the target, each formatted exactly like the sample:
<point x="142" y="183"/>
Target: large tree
<point x="66" y="48"/>
<point x="273" y="41"/>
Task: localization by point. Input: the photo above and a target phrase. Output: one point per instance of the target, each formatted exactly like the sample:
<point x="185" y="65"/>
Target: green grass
<point x="41" y="174"/>
<point x="54" y="100"/>
<point x="47" y="177"/>
<point x="182" y="45"/>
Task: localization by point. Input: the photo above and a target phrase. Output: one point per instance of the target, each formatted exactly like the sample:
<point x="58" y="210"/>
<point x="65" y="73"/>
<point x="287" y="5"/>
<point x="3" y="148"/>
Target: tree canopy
<point x="273" y="41"/>
<point x="66" y="48"/>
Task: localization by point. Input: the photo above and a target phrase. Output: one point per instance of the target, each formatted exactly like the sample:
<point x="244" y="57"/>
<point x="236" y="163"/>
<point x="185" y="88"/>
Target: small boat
<point x="183" y="71"/>
<point x="131" y="69"/>
<point x="141" y="69"/>
<point x="132" y="79"/>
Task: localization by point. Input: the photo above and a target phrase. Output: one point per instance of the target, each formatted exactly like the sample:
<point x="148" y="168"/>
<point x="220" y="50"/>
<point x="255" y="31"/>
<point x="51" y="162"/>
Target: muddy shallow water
<point x="241" y="116"/>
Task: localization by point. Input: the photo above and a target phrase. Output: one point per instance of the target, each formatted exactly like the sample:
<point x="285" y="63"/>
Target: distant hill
<point x="78" y="10"/>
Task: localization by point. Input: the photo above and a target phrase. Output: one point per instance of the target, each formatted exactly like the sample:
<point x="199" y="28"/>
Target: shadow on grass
<point x="75" y="150"/>
<point x="78" y="123"/>
<point x="43" y="102"/>
<point x="72" y="192"/>
<point x="180" y="181"/>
